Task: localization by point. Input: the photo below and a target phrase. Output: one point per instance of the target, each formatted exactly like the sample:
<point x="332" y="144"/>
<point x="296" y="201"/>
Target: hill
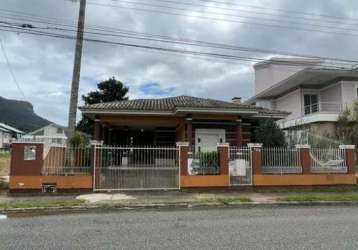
<point x="20" y="114"/>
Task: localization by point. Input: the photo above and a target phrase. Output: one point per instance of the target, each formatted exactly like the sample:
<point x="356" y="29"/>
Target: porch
<point x="202" y="132"/>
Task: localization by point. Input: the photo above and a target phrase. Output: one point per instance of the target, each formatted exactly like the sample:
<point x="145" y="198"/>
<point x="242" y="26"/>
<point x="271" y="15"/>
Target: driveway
<point x="266" y="228"/>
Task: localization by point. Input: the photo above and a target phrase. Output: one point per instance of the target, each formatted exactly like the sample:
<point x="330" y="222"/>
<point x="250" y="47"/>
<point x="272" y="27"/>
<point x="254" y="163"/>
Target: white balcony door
<point x="206" y="140"/>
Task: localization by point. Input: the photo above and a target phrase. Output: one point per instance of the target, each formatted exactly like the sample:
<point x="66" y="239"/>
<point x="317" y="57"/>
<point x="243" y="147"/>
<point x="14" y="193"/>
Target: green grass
<point x="333" y="189"/>
<point x="307" y="197"/>
<point x="42" y="204"/>
<point x="227" y="200"/>
<point x="4" y="155"/>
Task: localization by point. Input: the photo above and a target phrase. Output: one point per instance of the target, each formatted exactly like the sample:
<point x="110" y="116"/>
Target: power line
<point x="11" y="69"/>
<point x="355" y="34"/>
<point x="169" y="40"/>
<point x="156" y="48"/>
<point x="144" y="36"/>
<point x="173" y="3"/>
<point x="279" y="26"/>
<point x="277" y="9"/>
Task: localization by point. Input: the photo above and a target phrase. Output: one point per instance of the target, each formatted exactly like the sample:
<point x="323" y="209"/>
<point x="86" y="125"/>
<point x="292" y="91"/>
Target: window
<point x="30" y="153"/>
<point x="59" y="130"/>
<point x="310" y="104"/>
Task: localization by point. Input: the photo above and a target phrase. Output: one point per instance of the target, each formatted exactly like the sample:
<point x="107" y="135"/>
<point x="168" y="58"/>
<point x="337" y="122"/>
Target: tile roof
<point x="169" y="104"/>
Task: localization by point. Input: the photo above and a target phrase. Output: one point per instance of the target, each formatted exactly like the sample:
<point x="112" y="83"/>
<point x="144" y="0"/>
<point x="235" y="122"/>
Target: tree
<point x="347" y="125"/>
<point x="269" y="134"/>
<point x="108" y="91"/>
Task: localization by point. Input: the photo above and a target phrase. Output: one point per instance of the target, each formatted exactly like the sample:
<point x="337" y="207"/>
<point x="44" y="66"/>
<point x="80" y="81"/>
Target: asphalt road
<point x="252" y="228"/>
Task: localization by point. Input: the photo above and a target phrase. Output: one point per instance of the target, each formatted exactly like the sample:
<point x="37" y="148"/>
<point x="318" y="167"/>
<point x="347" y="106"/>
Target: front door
<point x="206" y="140"/>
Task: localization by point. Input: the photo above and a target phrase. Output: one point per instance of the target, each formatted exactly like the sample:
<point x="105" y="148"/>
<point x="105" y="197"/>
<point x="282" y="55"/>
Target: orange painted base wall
<point x="62" y="182"/>
<point x="205" y="181"/>
<point x="304" y="180"/>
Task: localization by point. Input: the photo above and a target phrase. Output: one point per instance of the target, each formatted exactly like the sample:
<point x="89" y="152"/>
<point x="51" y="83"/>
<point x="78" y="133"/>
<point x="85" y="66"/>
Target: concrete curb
<point x="122" y="207"/>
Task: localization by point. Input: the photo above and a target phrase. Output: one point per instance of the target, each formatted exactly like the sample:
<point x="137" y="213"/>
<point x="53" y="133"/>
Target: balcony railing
<point x="323" y="107"/>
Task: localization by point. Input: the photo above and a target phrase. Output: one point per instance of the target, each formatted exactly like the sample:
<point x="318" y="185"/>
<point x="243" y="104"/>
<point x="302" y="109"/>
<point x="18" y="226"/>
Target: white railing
<point x="68" y="161"/>
<point x="240" y="169"/>
<point x="328" y="160"/>
<point x="281" y="161"/>
<point x="323" y="107"/>
<point x="48" y="140"/>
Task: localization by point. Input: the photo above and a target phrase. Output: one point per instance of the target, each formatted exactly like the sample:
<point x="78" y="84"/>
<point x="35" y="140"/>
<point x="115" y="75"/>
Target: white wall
<point x="268" y="75"/>
<point x="291" y="102"/>
<point x="349" y="92"/>
<point x="332" y="93"/>
<point x="5" y="138"/>
<point x="50" y="131"/>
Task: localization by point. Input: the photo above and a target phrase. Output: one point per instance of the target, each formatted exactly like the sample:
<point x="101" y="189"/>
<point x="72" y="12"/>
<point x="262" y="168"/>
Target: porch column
<point x="183" y="157"/>
<point x="256" y="158"/>
<point x="350" y="157"/>
<point x="97" y="130"/>
<point x="189" y="129"/>
<point x="109" y="136"/>
<point x="223" y="150"/>
<point x="305" y="158"/>
<point x="238" y="133"/>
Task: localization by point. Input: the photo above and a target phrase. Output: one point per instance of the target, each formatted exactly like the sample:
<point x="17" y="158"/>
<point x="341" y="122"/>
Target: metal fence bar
<point x="67" y="161"/>
<point x="281" y="161"/>
<point x="136" y="168"/>
<point x="240" y="168"/>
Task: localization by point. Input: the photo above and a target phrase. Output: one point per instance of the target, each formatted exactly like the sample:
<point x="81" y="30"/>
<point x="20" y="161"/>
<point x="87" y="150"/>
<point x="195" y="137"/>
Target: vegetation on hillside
<point x="20" y="115"/>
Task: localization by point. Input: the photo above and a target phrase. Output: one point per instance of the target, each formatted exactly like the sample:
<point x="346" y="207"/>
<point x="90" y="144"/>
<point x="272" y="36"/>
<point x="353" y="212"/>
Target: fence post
<point x="303" y="152"/>
<point x="95" y="162"/>
<point x="256" y="157"/>
<point x="20" y="166"/>
<point x="223" y="151"/>
<point x="183" y="157"/>
<point x="350" y="157"/>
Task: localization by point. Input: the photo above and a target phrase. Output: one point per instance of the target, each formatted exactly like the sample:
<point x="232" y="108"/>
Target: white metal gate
<point x="135" y="168"/>
<point x="240" y="167"/>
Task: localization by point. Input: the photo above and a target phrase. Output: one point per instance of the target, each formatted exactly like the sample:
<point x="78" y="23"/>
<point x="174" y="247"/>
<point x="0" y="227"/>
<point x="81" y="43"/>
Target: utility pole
<point x="76" y="71"/>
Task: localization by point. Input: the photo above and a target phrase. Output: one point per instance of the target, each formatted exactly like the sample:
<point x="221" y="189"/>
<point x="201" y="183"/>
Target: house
<point x="7" y="133"/>
<point x="165" y="121"/>
<point x="313" y="94"/>
<point x="52" y="133"/>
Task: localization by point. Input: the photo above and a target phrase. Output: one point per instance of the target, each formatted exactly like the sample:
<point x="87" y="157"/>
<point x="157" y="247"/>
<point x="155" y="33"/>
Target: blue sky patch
<point x="154" y="88"/>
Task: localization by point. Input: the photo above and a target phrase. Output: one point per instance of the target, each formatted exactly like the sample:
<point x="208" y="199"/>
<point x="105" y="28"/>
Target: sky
<point x="43" y="65"/>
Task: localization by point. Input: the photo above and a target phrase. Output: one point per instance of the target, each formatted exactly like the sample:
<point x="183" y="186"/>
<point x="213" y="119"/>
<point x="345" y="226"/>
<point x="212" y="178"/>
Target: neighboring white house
<point x="52" y="133"/>
<point x="7" y="133"/>
<point x="314" y="95"/>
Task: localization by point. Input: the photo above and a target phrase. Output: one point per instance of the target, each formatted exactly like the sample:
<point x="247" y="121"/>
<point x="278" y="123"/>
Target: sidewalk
<point x="178" y="199"/>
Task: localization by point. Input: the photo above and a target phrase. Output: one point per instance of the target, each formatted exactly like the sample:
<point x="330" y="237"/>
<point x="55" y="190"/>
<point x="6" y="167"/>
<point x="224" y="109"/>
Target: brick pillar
<point x="20" y="166"/>
<point x="238" y="133"/>
<point x="303" y="152"/>
<point x="97" y="130"/>
<point x="223" y="150"/>
<point x="183" y="157"/>
<point x="256" y="158"/>
<point x="350" y="157"/>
